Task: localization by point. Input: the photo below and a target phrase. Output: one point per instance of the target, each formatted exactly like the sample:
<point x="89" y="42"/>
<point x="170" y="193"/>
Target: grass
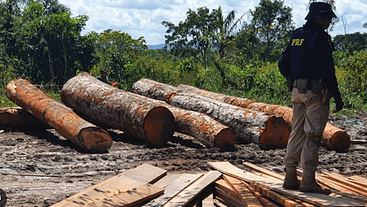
<point x="5" y="102"/>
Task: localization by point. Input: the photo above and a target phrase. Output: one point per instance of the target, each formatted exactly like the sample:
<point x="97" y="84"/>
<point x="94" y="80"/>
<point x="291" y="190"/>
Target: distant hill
<point x="153" y="47"/>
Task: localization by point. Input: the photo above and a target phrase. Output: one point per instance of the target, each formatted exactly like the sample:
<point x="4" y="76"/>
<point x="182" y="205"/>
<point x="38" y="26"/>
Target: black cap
<point x="320" y="10"/>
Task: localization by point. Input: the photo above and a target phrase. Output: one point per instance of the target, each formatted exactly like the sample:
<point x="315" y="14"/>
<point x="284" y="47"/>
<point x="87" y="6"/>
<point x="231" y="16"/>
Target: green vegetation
<point x="42" y="43"/>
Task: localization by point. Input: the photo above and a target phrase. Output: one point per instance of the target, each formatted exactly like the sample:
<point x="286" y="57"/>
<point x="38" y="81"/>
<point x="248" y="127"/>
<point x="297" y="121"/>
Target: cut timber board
<point x="262" y="170"/>
<point x="346" y="183"/>
<point x="358" y="180"/>
<point x="276" y="185"/>
<point x="129" y="198"/>
<point x="166" y="180"/>
<point x="193" y="190"/>
<point x="128" y="180"/>
<point x="229" y="189"/>
<point x="243" y="191"/>
<point x="173" y="189"/>
<point x="224" y="190"/>
<point x="208" y="201"/>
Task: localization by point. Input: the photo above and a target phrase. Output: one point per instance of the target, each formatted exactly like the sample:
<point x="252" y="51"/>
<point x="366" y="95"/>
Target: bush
<point x="354" y="79"/>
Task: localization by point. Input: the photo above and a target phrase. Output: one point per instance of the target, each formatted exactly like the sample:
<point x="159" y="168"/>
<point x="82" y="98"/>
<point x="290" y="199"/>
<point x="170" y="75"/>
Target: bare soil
<point x="38" y="167"/>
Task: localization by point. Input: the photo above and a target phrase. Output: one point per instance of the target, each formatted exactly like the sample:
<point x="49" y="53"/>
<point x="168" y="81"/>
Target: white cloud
<point x="144" y="17"/>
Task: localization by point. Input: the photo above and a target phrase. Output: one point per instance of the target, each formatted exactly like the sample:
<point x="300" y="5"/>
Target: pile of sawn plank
<point x="225" y="185"/>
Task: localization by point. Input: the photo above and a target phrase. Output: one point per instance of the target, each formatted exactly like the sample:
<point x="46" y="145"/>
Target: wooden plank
<point x="219" y="202"/>
<point x="189" y="193"/>
<point x="333" y="185"/>
<point x="314" y="198"/>
<point x="248" y="198"/>
<point x="125" y="181"/>
<point x="129" y="198"/>
<point x="358" y="180"/>
<point x="263" y="201"/>
<point x="166" y="180"/>
<point x="229" y="189"/>
<point x="228" y="197"/>
<point x="341" y="191"/>
<point x="208" y="201"/>
<point x="174" y="188"/>
<point x="276" y="185"/>
<point x="276" y="197"/>
<point x="360" y="190"/>
<point x="262" y="170"/>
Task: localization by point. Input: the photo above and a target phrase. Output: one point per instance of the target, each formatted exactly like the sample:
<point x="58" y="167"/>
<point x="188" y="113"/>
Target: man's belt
<point x="304" y="84"/>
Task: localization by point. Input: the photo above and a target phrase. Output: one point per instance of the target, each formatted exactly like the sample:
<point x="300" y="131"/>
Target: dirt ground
<point x="40" y="168"/>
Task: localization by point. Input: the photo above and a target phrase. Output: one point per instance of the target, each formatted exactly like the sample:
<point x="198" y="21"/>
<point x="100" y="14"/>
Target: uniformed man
<point x="103" y="77"/>
<point x="308" y="65"/>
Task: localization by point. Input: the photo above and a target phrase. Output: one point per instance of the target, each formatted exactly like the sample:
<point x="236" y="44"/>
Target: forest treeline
<point x="232" y="53"/>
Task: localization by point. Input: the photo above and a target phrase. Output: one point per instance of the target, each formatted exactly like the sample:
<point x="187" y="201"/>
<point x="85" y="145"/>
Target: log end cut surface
<point x="339" y="141"/>
<point x="95" y="139"/>
<point x="159" y="126"/>
<point x="276" y="133"/>
<point x="225" y="138"/>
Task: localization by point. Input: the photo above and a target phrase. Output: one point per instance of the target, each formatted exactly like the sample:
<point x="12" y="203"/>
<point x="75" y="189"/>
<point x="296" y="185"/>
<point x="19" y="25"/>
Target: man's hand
<point x="339" y="105"/>
<point x="114" y="84"/>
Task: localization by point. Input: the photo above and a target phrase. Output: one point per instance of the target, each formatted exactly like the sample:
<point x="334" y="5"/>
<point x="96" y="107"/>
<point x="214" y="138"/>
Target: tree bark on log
<point x="199" y="125"/>
<point x="203" y="128"/>
<point x="18" y="117"/>
<point x="250" y="125"/>
<point x="138" y="116"/>
<point x="334" y="138"/>
<point x="57" y="115"/>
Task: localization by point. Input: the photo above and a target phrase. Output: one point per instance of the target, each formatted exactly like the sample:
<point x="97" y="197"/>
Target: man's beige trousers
<point x="308" y="123"/>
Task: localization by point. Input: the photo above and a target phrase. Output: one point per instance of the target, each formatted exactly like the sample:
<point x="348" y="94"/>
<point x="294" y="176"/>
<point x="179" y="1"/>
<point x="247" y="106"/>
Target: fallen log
<point x="63" y="119"/>
<point x="138" y="116"/>
<point x="18" y="117"/>
<point x="334" y="138"/>
<point x="250" y="125"/>
<point x="203" y="128"/>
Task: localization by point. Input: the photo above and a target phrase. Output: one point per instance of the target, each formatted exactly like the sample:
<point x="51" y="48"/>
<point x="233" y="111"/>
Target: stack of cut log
<point x="152" y="111"/>
<point x="226" y="185"/>
<point x="192" y="98"/>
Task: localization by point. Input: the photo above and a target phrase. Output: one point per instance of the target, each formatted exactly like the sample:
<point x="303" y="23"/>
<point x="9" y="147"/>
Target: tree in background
<point x="228" y="30"/>
<point x="203" y="32"/>
<point x="272" y="24"/>
<point x="350" y="42"/>
<point x="195" y="36"/>
<point x="44" y="39"/>
<point x="119" y="53"/>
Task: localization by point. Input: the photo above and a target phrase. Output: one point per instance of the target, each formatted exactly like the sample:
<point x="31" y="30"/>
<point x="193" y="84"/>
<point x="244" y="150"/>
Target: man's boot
<point x="310" y="185"/>
<point x="291" y="181"/>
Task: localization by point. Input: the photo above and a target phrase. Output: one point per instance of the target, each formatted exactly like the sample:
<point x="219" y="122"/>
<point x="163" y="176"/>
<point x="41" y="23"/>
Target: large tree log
<point x="199" y="125"/>
<point x="138" y="116"/>
<point x="250" y="125"/>
<point x="334" y="138"/>
<point x="18" y="117"/>
<point x="63" y="119"/>
<point x="202" y="127"/>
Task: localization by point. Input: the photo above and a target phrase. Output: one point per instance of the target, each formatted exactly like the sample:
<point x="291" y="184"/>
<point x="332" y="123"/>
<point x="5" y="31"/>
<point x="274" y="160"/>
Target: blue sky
<point x="143" y="17"/>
